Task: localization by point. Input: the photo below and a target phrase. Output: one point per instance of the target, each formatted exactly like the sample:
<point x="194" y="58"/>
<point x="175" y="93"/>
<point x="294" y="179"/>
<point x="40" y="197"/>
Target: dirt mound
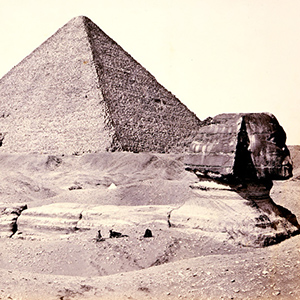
<point x="37" y="177"/>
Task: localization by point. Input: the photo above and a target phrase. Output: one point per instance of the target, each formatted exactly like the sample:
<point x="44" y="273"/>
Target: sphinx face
<point x="269" y="153"/>
<point x="247" y="146"/>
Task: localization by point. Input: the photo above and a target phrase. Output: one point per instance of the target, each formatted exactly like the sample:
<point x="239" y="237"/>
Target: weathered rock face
<point x="269" y="153"/>
<point x="243" y="146"/>
<point x="247" y="215"/>
<point x="130" y="192"/>
<point x="81" y="92"/>
<point x="9" y="214"/>
<point x="240" y="154"/>
<point x="65" y="218"/>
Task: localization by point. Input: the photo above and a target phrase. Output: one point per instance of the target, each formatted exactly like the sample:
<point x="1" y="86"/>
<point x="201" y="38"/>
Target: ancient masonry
<point x="81" y="92"/>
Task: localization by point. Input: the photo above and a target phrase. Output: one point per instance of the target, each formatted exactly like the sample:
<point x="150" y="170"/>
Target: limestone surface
<point x="244" y="146"/>
<point x="208" y="238"/>
<point x="81" y="92"/>
<point x="131" y="192"/>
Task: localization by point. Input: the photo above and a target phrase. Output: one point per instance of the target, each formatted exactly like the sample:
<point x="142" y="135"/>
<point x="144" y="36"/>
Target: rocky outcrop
<point x="240" y="155"/>
<point x="241" y="146"/>
<point x="58" y="218"/>
<point x="247" y="215"/>
<point x="66" y="218"/>
<point x="9" y="214"/>
<point x="216" y="210"/>
<point x="130" y="192"/>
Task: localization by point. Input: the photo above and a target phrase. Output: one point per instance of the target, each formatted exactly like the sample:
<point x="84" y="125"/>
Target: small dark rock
<point x="75" y="187"/>
<point x="148" y="233"/>
<point x="115" y="234"/>
<point x="99" y="237"/>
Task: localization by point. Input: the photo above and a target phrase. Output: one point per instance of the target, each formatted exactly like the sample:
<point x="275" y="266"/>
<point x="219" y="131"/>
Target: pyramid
<point x="81" y="92"/>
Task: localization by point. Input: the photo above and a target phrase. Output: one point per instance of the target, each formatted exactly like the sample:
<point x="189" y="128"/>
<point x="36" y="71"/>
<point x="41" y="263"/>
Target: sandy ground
<point x="176" y="263"/>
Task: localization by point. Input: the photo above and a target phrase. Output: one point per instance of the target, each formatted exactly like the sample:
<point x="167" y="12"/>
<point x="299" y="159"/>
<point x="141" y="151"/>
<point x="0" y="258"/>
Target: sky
<point x="216" y="56"/>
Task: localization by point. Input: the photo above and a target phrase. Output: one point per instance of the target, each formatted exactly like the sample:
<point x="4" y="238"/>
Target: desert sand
<point x="54" y="252"/>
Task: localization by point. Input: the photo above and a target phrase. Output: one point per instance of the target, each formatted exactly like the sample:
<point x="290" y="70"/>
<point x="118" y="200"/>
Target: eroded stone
<point x="244" y="146"/>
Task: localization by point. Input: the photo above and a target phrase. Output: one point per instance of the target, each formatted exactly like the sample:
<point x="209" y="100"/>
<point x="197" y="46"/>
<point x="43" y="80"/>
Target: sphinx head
<point x="267" y="146"/>
<point x="247" y="146"/>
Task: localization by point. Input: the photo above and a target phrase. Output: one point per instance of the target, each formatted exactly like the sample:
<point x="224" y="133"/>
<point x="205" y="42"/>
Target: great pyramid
<point x="81" y="92"/>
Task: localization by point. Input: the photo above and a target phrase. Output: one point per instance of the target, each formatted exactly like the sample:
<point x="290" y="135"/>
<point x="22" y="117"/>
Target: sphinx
<point x="243" y="153"/>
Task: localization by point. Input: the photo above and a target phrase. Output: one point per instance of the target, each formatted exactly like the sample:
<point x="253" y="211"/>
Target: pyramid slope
<point x="81" y="92"/>
<point x="50" y="101"/>
<point x="146" y="116"/>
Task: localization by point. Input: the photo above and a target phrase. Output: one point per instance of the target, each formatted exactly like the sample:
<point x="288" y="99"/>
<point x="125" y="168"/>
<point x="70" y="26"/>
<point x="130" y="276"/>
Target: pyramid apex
<point x="79" y="20"/>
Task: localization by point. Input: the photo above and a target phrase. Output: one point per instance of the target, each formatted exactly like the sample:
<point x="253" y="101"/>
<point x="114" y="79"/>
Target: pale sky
<point x="215" y="55"/>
